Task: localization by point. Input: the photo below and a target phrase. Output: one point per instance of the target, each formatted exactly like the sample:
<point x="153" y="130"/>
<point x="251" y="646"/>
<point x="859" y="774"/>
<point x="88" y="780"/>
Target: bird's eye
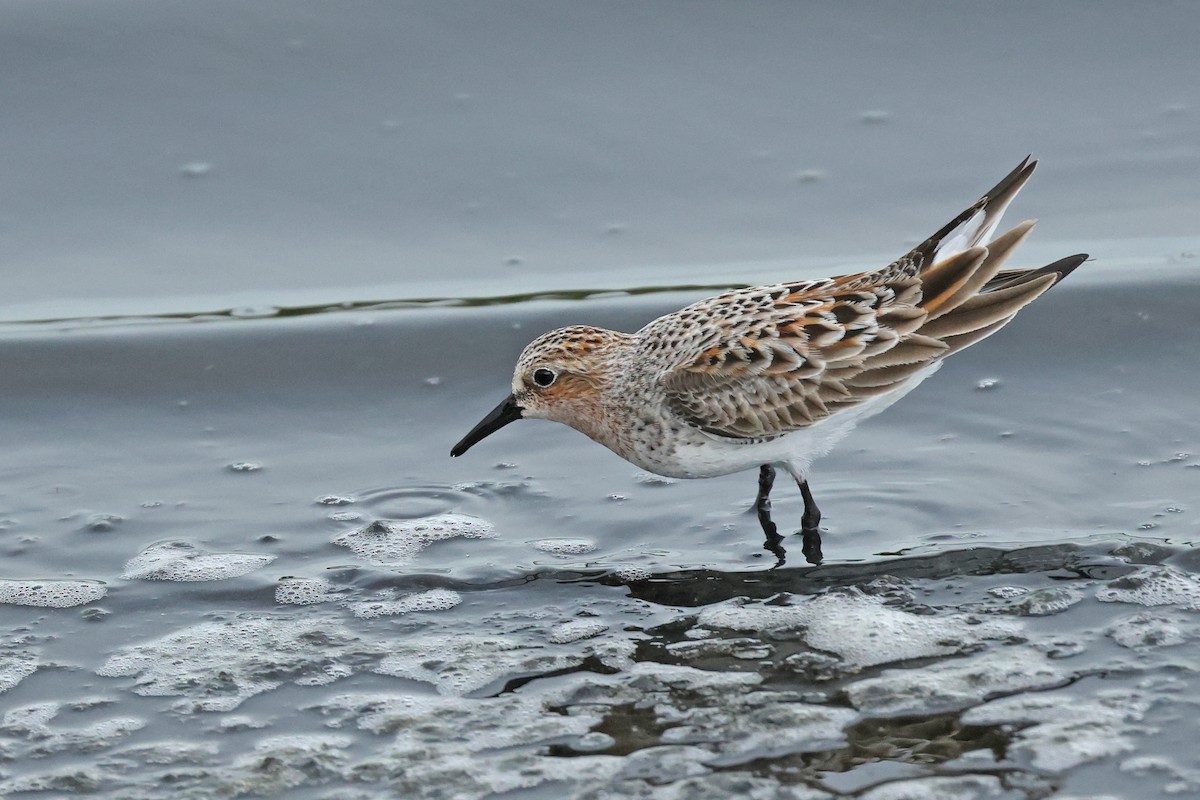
<point x="543" y="377"/>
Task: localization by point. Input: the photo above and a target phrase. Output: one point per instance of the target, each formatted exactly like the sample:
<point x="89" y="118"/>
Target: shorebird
<point x="772" y="377"/>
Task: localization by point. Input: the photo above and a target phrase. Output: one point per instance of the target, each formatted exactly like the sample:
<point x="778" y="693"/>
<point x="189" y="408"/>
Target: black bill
<point x="508" y="411"/>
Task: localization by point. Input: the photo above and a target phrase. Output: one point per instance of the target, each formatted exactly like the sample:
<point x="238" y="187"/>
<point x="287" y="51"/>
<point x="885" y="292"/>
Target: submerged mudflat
<point x="239" y="562"/>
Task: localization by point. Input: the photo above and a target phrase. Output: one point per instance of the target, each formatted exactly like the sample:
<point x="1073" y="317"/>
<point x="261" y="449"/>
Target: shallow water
<point x="275" y="580"/>
<point x="265" y="264"/>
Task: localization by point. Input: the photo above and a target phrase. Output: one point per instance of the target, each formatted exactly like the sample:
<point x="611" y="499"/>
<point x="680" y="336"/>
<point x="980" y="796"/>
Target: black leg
<point x="762" y="505"/>
<point x="812" y="514"/>
<point x="809" y="526"/>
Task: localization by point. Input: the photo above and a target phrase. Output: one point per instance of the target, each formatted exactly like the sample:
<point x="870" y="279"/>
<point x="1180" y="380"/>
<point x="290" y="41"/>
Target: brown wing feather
<point x="775" y="359"/>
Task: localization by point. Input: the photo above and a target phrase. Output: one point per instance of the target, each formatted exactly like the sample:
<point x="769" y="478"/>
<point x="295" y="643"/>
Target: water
<point x="1006" y="610"/>
<point x="249" y="311"/>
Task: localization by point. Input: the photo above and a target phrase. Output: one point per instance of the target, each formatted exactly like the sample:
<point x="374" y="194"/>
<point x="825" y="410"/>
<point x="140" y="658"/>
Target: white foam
<point x="630" y="573"/>
<point x="951" y="685"/>
<point x="860" y="629"/>
<point x="957" y="787"/>
<point x="177" y="560"/>
<point x="15" y="666"/>
<point x="1147" y="630"/>
<point x="217" y="665"/>
<point x="432" y="600"/>
<point x="576" y="630"/>
<point x="51" y="593"/>
<point x="564" y="547"/>
<point x="1070" y="730"/>
<point x="303" y="591"/>
<point x="395" y="543"/>
<point x="463" y="662"/>
<point x="1154" y="586"/>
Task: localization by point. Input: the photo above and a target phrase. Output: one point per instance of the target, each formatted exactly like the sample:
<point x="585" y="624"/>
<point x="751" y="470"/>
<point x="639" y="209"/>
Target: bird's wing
<point x="757" y="363"/>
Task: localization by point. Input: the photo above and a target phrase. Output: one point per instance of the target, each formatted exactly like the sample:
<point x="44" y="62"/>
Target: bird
<point x="772" y="377"/>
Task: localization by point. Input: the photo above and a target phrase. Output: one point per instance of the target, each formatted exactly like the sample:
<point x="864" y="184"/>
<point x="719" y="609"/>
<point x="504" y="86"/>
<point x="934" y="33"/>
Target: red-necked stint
<point x="774" y="376"/>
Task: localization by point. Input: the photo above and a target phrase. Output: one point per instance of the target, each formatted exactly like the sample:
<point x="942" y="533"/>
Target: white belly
<point x="703" y="455"/>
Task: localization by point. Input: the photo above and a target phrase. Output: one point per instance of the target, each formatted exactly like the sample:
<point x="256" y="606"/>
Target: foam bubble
<point x="564" y="547"/>
<point x="1069" y="730"/>
<point x="1146" y="631"/>
<point x="395" y="543"/>
<point x="631" y="573"/>
<point x="576" y="630"/>
<point x="303" y="591"/>
<point x="1154" y="586"/>
<point x="861" y="629"/>
<point x="50" y="594"/>
<point x="464" y="662"/>
<point x="432" y="600"/>
<point x="178" y="560"/>
<point x="217" y="665"/>
<point x="951" y="685"/>
<point x="956" y="787"/>
<point x="14" y="667"/>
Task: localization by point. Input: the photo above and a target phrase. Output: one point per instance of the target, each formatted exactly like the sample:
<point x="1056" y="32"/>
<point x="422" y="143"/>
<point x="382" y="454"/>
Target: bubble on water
<point x="951" y="685"/>
<point x="337" y="500"/>
<point x="244" y="466"/>
<point x="564" y="547"/>
<point x="303" y="591"/>
<point x="984" y="384"/>
<point x="177" y="560"/>
<point x="327" y="675"/>
<point x="215" y="666"/>
<point x="15" y="666"/>
<point x="863" y="630"/>
<point x="280" y="763"/>
<point x="395" y="543"/>
<point x="1036" y="603"/>
<point x="51" y="593"/>
<point x="432" y="600"/>
<point x="1068" y="730"/>
<point x="1154" y="586"/>
<point x="462" y="663"/>
<point x="1007" y="592"/>
<point x="630" y="573"/>
<point x="1147" y="630"/>
<point x="957" y="787"/>
<point x="345" y="516"/>
<point x="575" y="631"/>
<point x="33" y="722"/>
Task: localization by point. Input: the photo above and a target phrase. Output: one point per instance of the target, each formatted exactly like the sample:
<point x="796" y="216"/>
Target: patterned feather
<point x="760" y="363"/>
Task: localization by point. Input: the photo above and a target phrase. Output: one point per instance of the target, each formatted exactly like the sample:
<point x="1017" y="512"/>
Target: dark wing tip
<point x="1064" y="266"/>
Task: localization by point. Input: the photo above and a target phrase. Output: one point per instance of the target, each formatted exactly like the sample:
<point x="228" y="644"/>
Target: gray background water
<point x="214" y="219"/>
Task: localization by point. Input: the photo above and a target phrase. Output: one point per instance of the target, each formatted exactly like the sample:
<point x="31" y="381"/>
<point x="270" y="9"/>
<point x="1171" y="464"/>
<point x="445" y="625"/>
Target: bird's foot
<point x="812" y="546"/>
<point x="773" y="544"/>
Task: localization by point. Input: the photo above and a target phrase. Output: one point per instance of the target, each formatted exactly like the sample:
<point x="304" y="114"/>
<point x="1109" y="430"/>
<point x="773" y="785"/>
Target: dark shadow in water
<point x="284" y="312"/>
<point x="1100" y="560"/>
<point x="694" y="588"/>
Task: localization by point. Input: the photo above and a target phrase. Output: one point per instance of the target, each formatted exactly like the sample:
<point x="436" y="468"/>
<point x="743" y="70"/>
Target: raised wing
<point x="774" y="359"/>
<point x="778" y="358"/>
